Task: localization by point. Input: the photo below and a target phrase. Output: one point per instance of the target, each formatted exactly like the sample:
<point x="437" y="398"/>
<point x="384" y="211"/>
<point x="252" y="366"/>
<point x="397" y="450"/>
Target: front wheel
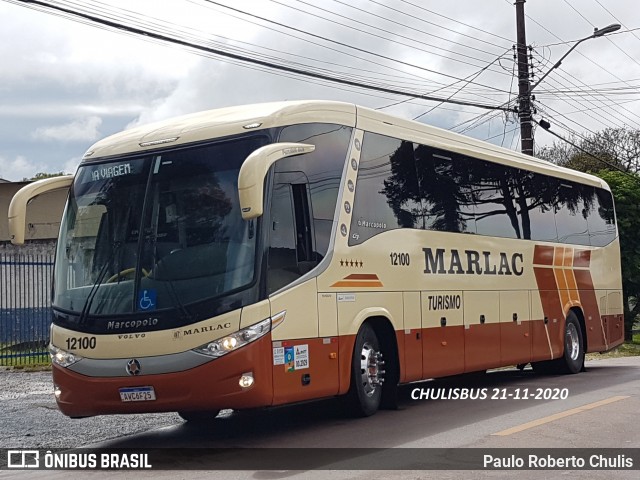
<point x="367" y="374"/>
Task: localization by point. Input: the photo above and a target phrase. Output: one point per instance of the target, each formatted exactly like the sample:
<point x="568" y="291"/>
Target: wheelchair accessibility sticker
<point x="147" y="299"/>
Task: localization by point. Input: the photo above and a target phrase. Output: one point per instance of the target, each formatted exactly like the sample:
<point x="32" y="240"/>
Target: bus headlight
<point x="62" y="357"/>
<point x="236" y="340"/>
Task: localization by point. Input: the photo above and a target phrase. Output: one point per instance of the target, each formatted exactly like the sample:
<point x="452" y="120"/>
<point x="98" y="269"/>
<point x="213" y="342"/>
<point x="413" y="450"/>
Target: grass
<point x="627" y="349"/>
<point x="25" y="362"/>
<point x="24" y="356"/>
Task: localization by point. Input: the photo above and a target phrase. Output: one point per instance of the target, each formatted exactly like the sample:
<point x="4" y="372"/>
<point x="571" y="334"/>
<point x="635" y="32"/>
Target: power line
<point x="243" y="58"/>
<point x="503" y="134"/>
<point x="377" y="28"/>
<point x="579" y="53"/>
<point x="614" y="17"/>
<point x="586" y="139"/>
<point x="320" y="45"/>
<point x="346" y="45"/>
<point x="586" y="152"/>
<point x="617" y="113"/>
<point x="324" y="46"/>
<point x="430" y="23"/>
<point x="467" y="82"/>
<point x="610" y="41"/>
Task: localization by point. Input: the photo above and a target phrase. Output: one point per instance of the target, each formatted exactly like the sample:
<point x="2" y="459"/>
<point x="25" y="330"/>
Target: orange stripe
<point x="562" y="287"/>
<point x="558" y="258"/>
<point x="568" y="257"/>
<point x="571" y="280"/>
<point x="362" y="276"/>
<point x="351" y="283"/>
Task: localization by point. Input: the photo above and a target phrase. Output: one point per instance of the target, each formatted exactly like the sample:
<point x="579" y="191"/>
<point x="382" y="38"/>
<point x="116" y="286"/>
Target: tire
<point x="365" y="390"/>
<point x="572" y="360"/>
<point x="199" y="417"/>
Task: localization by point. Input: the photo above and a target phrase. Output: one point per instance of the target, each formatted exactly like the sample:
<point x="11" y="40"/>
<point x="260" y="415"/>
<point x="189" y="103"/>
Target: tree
<point x="41" y="175"/>
<point x="618" y="147"/>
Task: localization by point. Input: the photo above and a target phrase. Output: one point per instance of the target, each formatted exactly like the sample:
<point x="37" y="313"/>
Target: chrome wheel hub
<point x="372" y="376"/>
<point x="572" y="342"/>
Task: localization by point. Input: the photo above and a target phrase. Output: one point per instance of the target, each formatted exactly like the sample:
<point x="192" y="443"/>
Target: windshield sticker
<point x="147" y="299"/>
<point x="111" y="171"/>
<point x="104" y="172"/>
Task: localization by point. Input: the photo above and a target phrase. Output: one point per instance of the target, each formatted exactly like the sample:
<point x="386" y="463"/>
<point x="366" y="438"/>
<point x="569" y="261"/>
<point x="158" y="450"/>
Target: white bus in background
<point x="275" y="253"/>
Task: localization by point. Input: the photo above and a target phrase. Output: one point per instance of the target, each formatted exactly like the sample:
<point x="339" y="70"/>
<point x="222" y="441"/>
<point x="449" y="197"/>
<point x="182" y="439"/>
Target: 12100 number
<point x="86" y="343"/>
<point x="400" y="259"/>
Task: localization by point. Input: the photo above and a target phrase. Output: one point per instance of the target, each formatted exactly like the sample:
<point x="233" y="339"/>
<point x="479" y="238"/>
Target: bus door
<point x="304" y="363"/>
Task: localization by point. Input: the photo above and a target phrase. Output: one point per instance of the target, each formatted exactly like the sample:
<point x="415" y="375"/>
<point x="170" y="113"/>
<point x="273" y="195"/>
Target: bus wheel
<point x="199" y="417"/>
<point x="367" y="374"/>
<point x="573" y="358"/>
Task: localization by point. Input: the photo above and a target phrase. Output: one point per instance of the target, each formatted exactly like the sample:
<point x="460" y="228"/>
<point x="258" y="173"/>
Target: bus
<point x="269" y="254"/>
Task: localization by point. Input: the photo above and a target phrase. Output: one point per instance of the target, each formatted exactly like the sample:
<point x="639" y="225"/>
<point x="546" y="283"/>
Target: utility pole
<point x="524" y="87"/>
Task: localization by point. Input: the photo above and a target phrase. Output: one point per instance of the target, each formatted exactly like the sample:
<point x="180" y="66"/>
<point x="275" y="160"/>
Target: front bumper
<point x="211" y="386"/>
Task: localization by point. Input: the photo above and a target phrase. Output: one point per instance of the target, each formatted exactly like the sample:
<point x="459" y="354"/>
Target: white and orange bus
<point x="269" y="254"/>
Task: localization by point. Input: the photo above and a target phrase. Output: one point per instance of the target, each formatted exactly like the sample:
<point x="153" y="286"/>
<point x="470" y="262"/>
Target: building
<point x="43" y="216"/>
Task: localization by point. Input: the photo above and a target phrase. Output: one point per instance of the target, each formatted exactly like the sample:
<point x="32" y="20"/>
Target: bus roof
<point x="228" y="121"/>
<point x="221" y="122"/>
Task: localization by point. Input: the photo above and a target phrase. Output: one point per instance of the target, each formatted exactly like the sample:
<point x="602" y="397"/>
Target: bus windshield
<point x="155" y="232"/>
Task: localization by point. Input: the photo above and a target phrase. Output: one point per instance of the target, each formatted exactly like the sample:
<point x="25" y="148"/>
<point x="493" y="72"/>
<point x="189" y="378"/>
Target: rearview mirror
<point x="18" y="205"/>
<point x="255" y="168"/>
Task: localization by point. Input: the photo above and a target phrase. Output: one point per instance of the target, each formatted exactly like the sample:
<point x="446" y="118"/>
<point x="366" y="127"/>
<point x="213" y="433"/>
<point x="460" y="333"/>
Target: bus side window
<point x="291" y="252"/>
<point x="322" y="170"/>
<point x="282" y="239"/>
<point x="304" y="240"/>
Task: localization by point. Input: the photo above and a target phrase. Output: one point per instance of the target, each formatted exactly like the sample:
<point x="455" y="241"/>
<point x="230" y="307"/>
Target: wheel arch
<point x="385" y="333"/>
<point x="382" y="323"/>
<point x="383" y="327"/>
<point x="389" y="343"/>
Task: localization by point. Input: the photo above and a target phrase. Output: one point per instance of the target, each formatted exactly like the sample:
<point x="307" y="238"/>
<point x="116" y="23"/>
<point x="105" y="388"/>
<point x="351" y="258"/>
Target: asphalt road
<point x="600" y="411"/>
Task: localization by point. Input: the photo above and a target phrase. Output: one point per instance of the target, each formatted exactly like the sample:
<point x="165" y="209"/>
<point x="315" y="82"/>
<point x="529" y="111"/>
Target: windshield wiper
<point x="94" y="288"/>
<point x="181" y="308"/>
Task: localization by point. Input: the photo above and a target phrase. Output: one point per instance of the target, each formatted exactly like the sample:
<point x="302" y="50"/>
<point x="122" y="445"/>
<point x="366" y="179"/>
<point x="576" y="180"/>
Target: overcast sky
<point x="64" y="84"/>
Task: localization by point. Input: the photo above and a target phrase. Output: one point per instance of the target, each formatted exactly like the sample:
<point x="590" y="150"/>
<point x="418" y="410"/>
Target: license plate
<point x="137" y="394"/>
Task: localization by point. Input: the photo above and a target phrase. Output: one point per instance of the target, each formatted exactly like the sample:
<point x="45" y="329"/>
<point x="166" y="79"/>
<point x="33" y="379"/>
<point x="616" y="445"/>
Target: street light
<point x="614" y="27"/>
<point x="526" y="130"/>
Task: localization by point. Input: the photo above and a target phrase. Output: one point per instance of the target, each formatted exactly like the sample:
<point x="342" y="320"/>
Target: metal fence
<point x="25" y="308"/>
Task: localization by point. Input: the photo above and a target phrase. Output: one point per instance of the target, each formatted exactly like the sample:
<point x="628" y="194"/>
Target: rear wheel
<point x="367" y="374"/>
<point x="199" y="417"/>
<point x="573" y="358"/>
